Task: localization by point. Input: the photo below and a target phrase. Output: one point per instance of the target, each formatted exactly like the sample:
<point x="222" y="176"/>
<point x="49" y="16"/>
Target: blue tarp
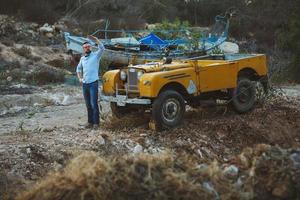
<point x="153" y="41"/>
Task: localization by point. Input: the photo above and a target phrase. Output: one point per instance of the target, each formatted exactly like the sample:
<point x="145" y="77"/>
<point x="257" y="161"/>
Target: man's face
<point x="86" y="48"/>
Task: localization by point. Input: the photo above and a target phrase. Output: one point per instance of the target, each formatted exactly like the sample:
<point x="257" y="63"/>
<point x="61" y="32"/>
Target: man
<point x="87" y="73"/>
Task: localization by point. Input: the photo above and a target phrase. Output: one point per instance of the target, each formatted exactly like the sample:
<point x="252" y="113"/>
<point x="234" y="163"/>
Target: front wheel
<point x="168" y="109"/>
<point x="243" y="96"/>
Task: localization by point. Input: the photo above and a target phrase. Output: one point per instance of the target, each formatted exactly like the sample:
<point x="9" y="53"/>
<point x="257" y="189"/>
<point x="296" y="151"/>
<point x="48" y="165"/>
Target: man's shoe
<point x="88" y="125"/>
<point x="96" y="126"/>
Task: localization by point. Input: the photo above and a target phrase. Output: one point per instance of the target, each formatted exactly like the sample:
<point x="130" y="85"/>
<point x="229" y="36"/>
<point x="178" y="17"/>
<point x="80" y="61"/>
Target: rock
<point x="60" y="26"/>
<point x="9" y="78"/>
<point x="31" y="32"/>
<point x="106" y="136"/>
<point x="67" y="100"/>
<point x="34" y="25"/>
<point x="28" y="150"/>
<point x="202" y="167"/>
<point x="37" y="104"/>
<point x="179" y="142"/>
<point x="295" y="157"/>
<point x="239" y="183"/>
<point x="57" y="166"/>
<point x="46" y="28"/>
<point x="231" y="172"/>
<point x="137" y="149"/>
<point x="101" y="140"/>
<point x="49" y="35"/>
<point x="209" y="188"/>
<point x="200" y="153"/>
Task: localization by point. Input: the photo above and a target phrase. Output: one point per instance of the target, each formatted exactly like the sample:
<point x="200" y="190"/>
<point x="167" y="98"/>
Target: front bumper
<point x="122" y="100"/>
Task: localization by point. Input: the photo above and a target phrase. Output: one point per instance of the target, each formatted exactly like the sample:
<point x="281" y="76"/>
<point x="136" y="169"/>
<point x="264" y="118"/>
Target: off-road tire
<point x="168" y="109"/>
<point x="243" y="96"/>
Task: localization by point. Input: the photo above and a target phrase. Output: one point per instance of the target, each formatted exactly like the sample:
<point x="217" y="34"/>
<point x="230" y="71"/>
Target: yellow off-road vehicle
<point x="165" y="88"/>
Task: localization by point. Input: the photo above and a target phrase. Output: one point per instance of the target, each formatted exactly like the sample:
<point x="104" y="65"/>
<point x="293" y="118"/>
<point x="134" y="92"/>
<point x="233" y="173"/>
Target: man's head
<point x="86" y="47"/>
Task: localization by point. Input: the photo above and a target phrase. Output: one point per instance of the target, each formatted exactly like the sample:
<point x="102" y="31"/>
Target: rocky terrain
<point x="48" y="132"/>
<point x="46" y="153"/>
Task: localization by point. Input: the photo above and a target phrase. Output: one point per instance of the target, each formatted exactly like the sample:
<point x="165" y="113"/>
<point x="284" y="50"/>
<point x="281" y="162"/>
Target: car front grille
<point x="132" y="79"/>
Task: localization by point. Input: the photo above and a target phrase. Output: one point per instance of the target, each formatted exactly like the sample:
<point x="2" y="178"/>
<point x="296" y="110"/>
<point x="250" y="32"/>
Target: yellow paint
<point x="207" y="75"/>
<point x="160" y="79"/>
<point x="110" y="80"/>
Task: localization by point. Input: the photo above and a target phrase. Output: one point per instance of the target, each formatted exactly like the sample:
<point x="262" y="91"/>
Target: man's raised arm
<point x="101" y="47"/>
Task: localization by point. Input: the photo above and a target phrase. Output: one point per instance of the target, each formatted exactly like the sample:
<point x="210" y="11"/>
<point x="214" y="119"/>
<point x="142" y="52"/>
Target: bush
<point x="44" y="75"/>
<point x="23" y="51"/>
<point x="8" y="42"/>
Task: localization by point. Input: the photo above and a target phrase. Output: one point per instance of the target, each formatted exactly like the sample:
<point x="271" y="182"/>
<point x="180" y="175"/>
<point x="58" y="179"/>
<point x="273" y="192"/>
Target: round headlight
<point x="123" y="75"/>
<point x="139" y="74"/>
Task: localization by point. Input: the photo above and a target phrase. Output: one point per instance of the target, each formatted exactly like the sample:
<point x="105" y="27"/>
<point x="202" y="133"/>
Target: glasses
<point x="86" y="46"/>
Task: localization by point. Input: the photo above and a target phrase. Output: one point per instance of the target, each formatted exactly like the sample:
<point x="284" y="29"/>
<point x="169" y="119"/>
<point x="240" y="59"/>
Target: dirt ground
<point x="42" y="130"/>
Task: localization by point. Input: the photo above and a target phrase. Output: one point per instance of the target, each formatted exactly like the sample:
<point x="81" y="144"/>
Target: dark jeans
<point x="90" y="93"/>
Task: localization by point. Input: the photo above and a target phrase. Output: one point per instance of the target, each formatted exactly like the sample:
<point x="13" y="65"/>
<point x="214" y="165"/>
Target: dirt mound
<point x="218" y="132"/>
<point x="141" y="177"/>
<point x="127" y="122"/>
<point x="264" y="172"/>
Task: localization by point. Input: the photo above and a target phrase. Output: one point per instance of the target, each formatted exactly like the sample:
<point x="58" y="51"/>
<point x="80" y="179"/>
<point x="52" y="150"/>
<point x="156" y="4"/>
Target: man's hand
<point x="94" y="38"/>
<point x="79" y="76"/>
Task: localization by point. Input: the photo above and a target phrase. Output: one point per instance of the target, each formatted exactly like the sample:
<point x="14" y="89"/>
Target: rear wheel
<point x="168" y="109"/>
<point x="243" y="96"/>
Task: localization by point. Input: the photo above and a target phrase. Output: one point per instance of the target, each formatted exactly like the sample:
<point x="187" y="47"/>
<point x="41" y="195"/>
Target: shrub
<point x="23" y="51"/>
<point x="45" y="74"/>
<point x="8" y="42"/>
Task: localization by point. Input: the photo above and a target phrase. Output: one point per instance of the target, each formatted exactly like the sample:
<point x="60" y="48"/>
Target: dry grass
<point x="142" y="177"/>
<point x="265" y="172"/>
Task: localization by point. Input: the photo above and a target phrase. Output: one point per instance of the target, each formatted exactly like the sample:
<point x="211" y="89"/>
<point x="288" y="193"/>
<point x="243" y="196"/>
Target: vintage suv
<point x="165" y="88"/>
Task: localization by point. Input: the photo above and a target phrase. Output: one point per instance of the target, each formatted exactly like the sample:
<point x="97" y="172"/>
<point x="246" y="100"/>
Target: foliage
<point x="272" y="24"/>
<point x="178" y="28"/>
<point x="293" y="43"/>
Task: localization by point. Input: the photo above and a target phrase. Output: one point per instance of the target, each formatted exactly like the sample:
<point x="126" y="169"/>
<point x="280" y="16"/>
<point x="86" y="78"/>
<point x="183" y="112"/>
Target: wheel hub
<point x="170" y="109"/>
